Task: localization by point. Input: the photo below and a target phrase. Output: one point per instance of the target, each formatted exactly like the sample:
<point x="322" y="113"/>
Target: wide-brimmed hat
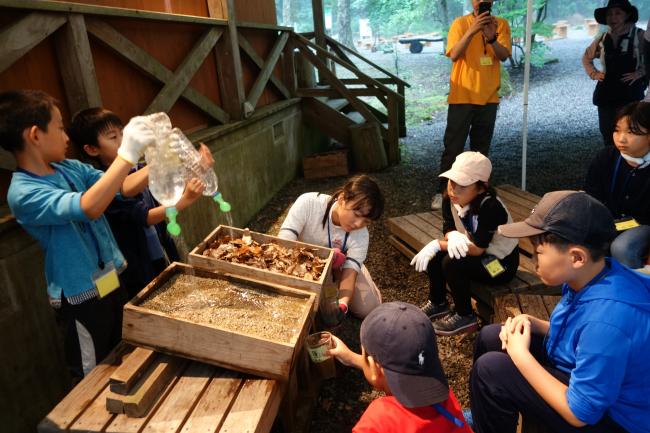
<point x="601" y="13"/>
<point x="468" y="168"/>
<point x="399" y="336"/>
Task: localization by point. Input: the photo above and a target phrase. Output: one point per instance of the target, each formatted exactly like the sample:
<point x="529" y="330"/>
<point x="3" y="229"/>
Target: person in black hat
<point x="399" y="356"/>
<point x="622" y="78"/>
<point x="586" y="368"/>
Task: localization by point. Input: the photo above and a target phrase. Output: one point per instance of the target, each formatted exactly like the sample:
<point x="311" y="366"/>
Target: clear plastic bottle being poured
<point x="191" y="159"/>
<point x="166" y="170"/>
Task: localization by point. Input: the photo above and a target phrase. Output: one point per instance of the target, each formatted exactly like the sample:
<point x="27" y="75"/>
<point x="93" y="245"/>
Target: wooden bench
<point x="197" y="398"/>
<point x="411" y="233"/>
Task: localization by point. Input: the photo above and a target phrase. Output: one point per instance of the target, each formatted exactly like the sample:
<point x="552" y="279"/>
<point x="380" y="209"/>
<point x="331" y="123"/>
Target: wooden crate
<point x="197" y="259"/>
<point x="209" y="343"/>
<point x="327" y="164"/>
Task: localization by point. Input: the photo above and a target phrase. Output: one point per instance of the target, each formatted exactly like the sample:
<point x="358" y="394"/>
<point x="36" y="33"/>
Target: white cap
<point x="469" y="168"/>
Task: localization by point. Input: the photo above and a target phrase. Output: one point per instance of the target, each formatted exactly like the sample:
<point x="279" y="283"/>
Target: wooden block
<point x="233" y="350"/>
<point x="125" y="376"/>
<point x="324" y="165"/>
<point x="148" y="389"/>
<point x="196" y="258"/>
<point x="95" y="418"/>
<point x="83" y="395"/>
<point x="255" y="408"/>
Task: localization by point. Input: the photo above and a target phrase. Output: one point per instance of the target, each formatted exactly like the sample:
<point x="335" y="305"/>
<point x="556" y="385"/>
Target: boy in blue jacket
<point x="585" y="369"/>
<point x="60" y="202"/>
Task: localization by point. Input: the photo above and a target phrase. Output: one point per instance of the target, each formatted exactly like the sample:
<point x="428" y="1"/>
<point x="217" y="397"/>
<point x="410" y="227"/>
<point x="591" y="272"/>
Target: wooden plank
<point x="148" y="389"/>
<point x="423" y="225"/>
<point x="267" y="70"/>
<point x="308" y="92"/>
<point x="550" y="301"/>
<point x="20" y="37"/>
<point x="487" y="293"/>
<point x="145" y="62"/>
<point x="95" y="418"/>
<point x="135" y="365"/>
<point x="401" y="247"/>
<point x="318" y="15"/>
<point x="252" y="54"/>
<point x="255" y="408"/>
<point x="234" y="54"/>
<point x="533" y="305"/>
<point x="533" y="198"/>
<point x="412" y="235"/>
<point x="178" y="404"/>
<point x="506" y="306"/>
<point x="173" y="89"/>
<point x="319" y="115"/>
<point x="214" y="404"/>
<point x="288" y="70"/>
<point x="77" y="66"/>
<point x="82" y="395"/>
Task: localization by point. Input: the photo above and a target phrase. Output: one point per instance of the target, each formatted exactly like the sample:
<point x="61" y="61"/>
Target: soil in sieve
<point x="228" y="305"/>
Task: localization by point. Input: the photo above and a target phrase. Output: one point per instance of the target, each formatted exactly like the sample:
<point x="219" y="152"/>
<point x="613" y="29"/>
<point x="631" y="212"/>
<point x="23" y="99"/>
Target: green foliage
<point x="421" y="109"/>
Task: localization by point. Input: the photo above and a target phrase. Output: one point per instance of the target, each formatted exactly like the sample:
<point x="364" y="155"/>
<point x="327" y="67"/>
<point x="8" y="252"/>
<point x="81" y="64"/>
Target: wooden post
<point x="319" y="31"/>
<point x="229" y="68"/>
<point x="367" y="148"/>
<point x="392" y="148"/>
<point x="77" y="67"/>
<point x="402" y="110"/>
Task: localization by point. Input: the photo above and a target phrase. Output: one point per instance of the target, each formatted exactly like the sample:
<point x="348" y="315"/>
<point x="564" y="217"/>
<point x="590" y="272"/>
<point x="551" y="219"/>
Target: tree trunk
<point x="286" y="13"/>
<point x="344" y="24"/>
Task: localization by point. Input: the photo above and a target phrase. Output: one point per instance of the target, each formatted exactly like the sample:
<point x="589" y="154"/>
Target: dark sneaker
<point x="435" y="311"/>
<point x="455" y="324"/>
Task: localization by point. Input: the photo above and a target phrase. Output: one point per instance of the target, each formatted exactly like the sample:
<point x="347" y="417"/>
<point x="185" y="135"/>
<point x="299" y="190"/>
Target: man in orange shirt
<point x="476" y="44"/>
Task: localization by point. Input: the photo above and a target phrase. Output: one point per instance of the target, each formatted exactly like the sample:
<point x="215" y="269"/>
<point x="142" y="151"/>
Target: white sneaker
<point x="436" y="203"/>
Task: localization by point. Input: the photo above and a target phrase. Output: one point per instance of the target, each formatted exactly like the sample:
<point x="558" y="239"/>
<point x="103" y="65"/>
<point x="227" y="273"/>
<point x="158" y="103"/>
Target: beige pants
<point x="366" y="295"/>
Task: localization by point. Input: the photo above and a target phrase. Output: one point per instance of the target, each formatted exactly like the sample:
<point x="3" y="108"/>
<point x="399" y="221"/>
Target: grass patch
<point x="423" y="108"/>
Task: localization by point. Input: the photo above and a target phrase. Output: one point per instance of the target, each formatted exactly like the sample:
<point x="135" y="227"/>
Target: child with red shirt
<point x="399" y="356"/>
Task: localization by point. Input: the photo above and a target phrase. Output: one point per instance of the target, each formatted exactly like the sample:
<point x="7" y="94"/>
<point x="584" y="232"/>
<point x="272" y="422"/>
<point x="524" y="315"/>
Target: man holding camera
<point x="476" y="44"/>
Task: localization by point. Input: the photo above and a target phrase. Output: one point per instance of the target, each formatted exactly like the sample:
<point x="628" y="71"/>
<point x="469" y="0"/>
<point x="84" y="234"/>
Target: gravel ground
<point x="562" y="139"/>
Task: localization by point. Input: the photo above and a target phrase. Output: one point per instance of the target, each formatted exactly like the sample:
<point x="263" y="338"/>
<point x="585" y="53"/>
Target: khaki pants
<point x="366" y="295"/>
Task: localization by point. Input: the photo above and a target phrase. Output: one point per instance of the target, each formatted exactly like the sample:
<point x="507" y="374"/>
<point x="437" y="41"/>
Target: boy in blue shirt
<point x="60" y="203"/>
<point x="586" y="368"/>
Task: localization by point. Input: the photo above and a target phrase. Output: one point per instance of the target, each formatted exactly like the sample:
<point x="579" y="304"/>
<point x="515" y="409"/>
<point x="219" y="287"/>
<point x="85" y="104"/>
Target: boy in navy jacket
<point x="585" y="369"/>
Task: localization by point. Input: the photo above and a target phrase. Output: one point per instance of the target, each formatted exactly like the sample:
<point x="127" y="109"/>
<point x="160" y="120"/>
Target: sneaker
<point x="435" y="311"/>
<point x="456" y="324"/>
<point x="436" y="203"/>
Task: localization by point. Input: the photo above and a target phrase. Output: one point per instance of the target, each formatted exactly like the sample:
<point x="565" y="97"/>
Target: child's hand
<point x="518" y="338"/>
<point x="193" y="190"/>
<point x="206" y="156"/>
<point x="341" y="352"/>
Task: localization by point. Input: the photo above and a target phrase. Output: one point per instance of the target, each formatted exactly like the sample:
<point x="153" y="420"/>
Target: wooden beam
<point x="236" y="59"/>
<point x="135" y="365"/>
<point x="250" y="52"/>
<point x="77" y="65"/>
<point x="331" y="93"/>
<point x="289" y="68"/>
<point x="168" y="96"/>
<point x="319" y="22"/>
<point x="392" y="148"/>
<point x="145" y="62"/>
<point x="23" y="35"/>
<point x="266" y="72"/>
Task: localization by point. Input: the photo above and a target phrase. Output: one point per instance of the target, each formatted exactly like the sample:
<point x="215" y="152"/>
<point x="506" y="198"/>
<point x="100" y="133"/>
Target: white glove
<point x="422" y="259"/>
<point x="457" y="244"/>
<point x="137" y="135"/>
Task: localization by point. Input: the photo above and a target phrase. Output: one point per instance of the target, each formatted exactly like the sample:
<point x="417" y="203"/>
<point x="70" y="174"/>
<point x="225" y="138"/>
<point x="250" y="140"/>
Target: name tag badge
<point x="106" y="280"/>
<point x="486" y="61"/>
<point x="493" y="266"/>
<point x="626" y="224"/>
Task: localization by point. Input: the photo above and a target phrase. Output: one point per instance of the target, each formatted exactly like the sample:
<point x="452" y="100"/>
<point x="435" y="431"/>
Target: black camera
<point x="484" y="7"/>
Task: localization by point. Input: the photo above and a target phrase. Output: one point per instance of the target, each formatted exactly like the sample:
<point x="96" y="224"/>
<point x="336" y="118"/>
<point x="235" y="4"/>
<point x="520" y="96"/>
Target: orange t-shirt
<point x="471" y="82"/>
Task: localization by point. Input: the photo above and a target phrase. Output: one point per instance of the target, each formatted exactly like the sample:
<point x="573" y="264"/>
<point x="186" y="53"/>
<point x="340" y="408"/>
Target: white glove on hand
<point x="457" y="244"/>
<point x="422" y="259"/>
<point x="137" y="135"/>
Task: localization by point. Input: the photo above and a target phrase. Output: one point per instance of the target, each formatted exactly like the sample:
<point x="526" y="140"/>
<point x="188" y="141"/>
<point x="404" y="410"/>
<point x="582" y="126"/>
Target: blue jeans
<point x="631" y="247"/>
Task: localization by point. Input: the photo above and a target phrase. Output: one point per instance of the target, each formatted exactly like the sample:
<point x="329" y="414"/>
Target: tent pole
<point x="529" y="31"/>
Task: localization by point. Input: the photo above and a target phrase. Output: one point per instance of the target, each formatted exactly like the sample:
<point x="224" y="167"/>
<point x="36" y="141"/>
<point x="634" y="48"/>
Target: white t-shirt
<point x="305" y="224"/>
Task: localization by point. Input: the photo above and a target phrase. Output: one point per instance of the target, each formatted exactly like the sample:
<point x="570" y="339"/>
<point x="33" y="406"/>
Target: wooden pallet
<point x="410" y="233"/>
<point x="196" y="398"/>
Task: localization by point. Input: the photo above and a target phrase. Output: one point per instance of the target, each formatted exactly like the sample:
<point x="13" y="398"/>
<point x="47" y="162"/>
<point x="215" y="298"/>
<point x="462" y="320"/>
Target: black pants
<point x="477" y="121"/>
<point x="606" y="122"/>
<point x="458" y="274"/>
<point x="92" y="329"/>
<point x="499" y="392"/>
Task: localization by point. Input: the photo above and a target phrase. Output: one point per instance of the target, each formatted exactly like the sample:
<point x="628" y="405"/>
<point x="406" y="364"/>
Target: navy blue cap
<point x="400" y="337"/>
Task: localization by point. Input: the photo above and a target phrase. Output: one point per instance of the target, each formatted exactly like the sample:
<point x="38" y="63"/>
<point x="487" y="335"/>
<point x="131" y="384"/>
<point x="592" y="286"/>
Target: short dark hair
<point x="596" y="252"/>
<point x="365" y="191"/>
<point x="638" y="117"/>
<point x="87" y="125"/>
<point x="22" y="109"/>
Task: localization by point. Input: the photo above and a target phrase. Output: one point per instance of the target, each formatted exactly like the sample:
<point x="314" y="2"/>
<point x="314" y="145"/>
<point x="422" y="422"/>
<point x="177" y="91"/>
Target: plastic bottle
<point x="166" y="170"/>
<point x="191" y="158"/>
